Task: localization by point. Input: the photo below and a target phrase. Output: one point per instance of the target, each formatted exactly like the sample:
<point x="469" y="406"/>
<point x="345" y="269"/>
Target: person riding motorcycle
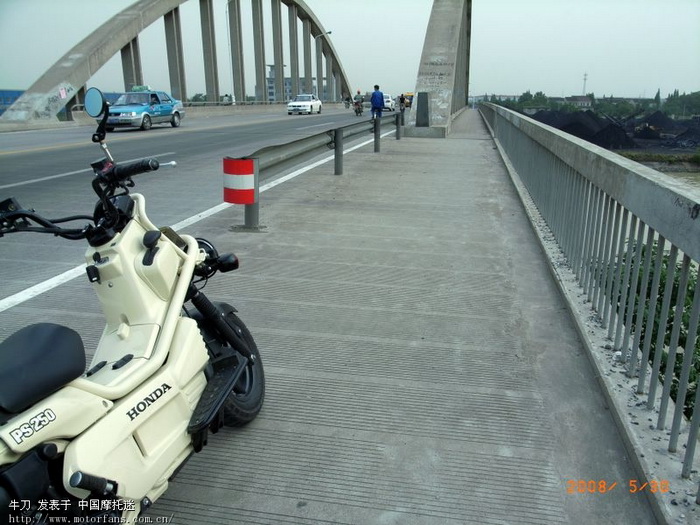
<point x="357" y="102"/>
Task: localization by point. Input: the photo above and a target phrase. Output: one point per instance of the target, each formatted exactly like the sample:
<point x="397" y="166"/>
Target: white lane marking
<point x="60" y="175"/>
<point x="40" y="288"/>
<point x="50" y="284"/>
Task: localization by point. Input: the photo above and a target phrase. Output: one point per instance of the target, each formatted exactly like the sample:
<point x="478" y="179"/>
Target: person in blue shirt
<point x="377" y="102"/>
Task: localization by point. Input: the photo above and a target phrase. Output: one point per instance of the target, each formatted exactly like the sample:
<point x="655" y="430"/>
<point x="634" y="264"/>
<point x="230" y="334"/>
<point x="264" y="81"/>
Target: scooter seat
<point x="36" y="361"/>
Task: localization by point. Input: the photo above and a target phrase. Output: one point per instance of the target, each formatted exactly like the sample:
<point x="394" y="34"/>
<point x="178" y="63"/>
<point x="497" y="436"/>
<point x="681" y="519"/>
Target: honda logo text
<point x="147" y="401"/>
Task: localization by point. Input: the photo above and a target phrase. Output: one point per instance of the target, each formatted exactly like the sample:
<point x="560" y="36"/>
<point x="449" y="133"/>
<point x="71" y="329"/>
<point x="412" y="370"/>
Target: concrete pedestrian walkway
<point x="421" y="365"/>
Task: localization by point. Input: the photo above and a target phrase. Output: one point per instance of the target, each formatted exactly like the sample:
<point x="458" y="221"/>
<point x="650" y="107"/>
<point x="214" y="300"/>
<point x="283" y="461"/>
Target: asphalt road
<point x="28" y="156"/>
<point x="49" y="171"/>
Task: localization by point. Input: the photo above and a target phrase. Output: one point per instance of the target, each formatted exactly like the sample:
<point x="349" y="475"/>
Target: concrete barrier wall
<point x="250" y="108"/>
<point x="81" y="119"/>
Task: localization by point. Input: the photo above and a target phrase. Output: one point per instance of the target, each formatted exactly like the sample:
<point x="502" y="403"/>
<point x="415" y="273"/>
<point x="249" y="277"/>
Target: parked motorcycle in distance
<point x="170" y="368"/>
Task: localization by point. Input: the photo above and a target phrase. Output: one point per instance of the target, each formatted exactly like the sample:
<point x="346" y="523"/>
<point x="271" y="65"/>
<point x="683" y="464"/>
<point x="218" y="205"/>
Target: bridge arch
<point x="63" y="83"/>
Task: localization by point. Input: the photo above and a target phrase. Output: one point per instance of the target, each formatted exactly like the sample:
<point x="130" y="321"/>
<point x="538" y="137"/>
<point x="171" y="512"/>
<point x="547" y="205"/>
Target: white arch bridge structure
<point x="443" y="72"/>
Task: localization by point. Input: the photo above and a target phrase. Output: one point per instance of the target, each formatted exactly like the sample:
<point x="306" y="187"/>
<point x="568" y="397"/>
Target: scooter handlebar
<point x="124" y="171"/>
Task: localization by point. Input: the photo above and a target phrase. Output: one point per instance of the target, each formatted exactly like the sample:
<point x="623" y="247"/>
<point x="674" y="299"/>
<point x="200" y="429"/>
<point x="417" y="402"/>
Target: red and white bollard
<point x="241" y="187"/>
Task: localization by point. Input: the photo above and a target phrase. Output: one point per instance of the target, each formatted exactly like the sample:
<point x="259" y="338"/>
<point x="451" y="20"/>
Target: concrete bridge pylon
<point x="443" y="75"/>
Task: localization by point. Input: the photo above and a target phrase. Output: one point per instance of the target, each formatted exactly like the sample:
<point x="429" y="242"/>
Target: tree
<point x="619" y="108"/>
<point x="657" y="99"/>
<point x="539" y="99"/>
<point x="682" y="105"/>
<point x="525" y="97"/>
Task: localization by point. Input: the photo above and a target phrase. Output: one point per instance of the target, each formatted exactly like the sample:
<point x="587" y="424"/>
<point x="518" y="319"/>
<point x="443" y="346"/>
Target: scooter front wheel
<point x="246" y="399"/>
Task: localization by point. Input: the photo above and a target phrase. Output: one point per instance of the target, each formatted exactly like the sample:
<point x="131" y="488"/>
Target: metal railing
<point x="275" y="158"/>
<point x="272" y="160"/>
<point x="623" y="228"/>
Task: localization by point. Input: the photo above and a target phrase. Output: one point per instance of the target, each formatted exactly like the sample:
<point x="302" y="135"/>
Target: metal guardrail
<point x="623" y="228"/>
<point x="277" y="156"/>
<point x="272" y="160"/>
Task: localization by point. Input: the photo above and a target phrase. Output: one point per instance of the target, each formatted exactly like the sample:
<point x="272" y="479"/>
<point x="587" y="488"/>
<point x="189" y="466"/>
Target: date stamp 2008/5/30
<point x="601" y="486"/>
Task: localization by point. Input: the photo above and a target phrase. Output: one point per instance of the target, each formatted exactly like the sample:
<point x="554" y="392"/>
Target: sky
<point x="626" y="48"/>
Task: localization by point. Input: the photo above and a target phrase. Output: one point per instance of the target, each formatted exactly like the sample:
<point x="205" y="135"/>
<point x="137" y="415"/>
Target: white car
<point x="389" y="102"/>
<point x="305" y="103"/>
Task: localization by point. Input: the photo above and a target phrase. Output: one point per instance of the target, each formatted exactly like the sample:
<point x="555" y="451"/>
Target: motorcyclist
<point x="357" y="102"/>
<point x="359" y="99"/>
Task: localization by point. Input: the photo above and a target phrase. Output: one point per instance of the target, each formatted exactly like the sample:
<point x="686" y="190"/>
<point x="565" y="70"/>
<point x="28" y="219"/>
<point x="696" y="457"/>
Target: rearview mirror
<point x="94" y="102"/>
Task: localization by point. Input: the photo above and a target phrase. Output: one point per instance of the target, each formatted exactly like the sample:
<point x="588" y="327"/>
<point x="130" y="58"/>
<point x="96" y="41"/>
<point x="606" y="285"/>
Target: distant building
<point x="475" y="99"/>
<point x="501" y="98"/>
<point x="581" y="102"/>
<point x="531" y="110"/>
<point x="287" y="87"/>
<point x="271" y="89"/>
<point x="8" y="97"/>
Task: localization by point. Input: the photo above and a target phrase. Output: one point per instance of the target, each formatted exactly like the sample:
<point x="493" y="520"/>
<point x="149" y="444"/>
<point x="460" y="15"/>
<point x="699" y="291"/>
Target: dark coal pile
<point x="686" y="140"/>
<point x="659" y="120"/>
<point x="655" y="132"/>
<point x="588" y="126"/>
<point x="674" y="134"/>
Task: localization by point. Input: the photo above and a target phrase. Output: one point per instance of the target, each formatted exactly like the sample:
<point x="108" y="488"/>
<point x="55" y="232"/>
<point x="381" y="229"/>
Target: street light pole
<point x="319" y="64"/>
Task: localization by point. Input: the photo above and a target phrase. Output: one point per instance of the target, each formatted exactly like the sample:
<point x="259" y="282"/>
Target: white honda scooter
<point x="101" y="442"/>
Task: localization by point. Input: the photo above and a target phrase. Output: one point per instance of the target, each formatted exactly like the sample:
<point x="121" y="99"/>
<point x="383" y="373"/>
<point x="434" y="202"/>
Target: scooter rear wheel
<point x="246" y="399"/>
